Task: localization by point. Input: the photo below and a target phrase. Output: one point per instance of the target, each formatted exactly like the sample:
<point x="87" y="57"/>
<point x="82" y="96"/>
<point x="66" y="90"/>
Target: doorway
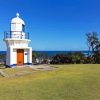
<point x="20" y="57"/>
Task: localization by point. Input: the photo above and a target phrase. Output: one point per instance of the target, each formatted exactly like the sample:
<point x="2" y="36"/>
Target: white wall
<point x="12" y="55"/>
<point x="8" y="57"/>
<point x="25" y="55"/>
<point x="28" y="55"/>
<point x="17" y="43"/>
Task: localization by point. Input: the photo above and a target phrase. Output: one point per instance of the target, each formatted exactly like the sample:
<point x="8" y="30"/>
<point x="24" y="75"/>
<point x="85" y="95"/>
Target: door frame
<point x="20" y="51"/>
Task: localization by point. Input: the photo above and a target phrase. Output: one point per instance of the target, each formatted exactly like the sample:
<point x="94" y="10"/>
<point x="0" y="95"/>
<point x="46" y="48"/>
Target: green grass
<point x="67" y="82"/>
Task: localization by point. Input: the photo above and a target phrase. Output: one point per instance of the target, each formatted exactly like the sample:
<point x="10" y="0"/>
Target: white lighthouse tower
<point x="17" y="40"/>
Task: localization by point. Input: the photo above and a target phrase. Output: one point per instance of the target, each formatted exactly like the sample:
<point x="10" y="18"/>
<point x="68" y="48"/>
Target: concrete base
<point x="15" y="65"/>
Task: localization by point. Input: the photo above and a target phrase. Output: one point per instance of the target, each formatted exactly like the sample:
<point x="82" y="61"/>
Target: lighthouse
<point x="17" y="41"/>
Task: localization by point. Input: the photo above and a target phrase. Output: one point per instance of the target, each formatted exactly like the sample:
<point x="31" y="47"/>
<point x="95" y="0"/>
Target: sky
<point x="53" y="24"/>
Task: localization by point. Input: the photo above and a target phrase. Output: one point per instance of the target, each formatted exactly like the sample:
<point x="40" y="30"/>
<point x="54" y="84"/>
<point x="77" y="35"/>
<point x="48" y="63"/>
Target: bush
<point x="70" y="58"/>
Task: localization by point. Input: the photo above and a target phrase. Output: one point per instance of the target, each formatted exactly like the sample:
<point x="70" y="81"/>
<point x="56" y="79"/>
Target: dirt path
<point x="3" y="74"/>
<point x="43" y="67"/>
<point x="23" y="72"/>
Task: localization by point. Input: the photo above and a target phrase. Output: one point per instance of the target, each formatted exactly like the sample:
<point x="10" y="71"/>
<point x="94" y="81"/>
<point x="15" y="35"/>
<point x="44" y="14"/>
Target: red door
<point x="20" y="57"/>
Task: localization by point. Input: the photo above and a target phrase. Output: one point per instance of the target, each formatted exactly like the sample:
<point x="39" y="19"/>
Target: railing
<point x="16" y="35"/>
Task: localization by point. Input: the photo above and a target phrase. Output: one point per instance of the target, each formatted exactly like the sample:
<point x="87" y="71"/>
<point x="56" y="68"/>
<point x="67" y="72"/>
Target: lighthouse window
<point x="23" y="28"/>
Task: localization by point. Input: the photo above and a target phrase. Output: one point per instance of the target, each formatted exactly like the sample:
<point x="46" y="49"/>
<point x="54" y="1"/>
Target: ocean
<point x="52" y="53"/>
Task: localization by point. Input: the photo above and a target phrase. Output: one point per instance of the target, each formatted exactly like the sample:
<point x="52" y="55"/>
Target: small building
<point x="17" y="40"/>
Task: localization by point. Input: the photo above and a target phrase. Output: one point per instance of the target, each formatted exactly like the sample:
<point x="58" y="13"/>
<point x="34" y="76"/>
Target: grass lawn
<point x="67" y="82"/>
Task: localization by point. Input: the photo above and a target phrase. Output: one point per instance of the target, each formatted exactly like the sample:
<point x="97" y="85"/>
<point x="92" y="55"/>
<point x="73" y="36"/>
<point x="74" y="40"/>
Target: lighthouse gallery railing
<point x="18" y="35"/>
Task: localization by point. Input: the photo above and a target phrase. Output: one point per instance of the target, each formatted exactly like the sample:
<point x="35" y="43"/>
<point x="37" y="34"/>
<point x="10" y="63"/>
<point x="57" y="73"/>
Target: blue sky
<point x="53" y="24"/>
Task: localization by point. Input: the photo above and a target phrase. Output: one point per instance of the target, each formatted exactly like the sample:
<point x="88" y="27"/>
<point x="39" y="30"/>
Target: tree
<point x="97" y="53"/>
<point x="92" y="41"/>
<point x="93" y="46"/>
